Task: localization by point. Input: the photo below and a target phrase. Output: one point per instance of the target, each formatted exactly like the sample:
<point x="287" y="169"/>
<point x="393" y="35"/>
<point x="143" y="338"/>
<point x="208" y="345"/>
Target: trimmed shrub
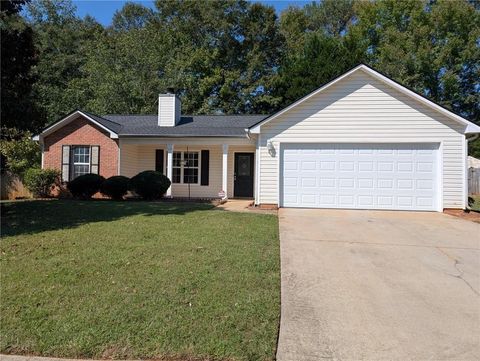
<point x="40" y="181"/>
<point x="115" y="187"/>
<point x="149" y="184"/>
<point x="85" y="186"/>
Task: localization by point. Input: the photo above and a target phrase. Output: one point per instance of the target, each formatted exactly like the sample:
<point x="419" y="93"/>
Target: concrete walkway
<point x="372" y="285"/>
<point x="243" y="205"/>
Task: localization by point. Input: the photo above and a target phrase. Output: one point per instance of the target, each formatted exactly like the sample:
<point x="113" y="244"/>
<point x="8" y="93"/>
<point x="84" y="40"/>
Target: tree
<point x="430" y="47"/>
<point x="18" y="110"/>
<point x="131" y="16"/>
<point x="19" y="153"/>
<point x="219" y="58"/>
<point x="316" y="48"/>
<point x="332" y="17"/>
<point x="321" y="59"/>
<point x="62" y="41"/>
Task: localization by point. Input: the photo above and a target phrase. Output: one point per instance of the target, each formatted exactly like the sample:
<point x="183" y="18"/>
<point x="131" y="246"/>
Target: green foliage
<point x="321" y="59"/>
<point x="85" y="186"/>
<point x="231" y="58"/>
<point x="432" y="48"/>
<point x="19" y="153"/>
<point x="332" y="17"/>
<point x="149" y="184"/>
<point x="115" y="187"/>
<point x="62" y="41"/>
<point x="19" y="56"/>
<point x="40" y="181"/>
<point x="474" y="148"/>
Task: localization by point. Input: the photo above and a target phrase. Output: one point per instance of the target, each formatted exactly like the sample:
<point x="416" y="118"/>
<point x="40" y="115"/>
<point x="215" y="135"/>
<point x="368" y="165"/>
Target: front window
<point x="185" y="167"/>
<point x="80" y="160"/>
<point x="177" y="167"/>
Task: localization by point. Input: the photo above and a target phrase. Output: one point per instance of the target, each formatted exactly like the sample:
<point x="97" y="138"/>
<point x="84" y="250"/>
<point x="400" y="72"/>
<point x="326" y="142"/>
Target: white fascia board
<point x="470" y="127"/>
<point x="67" y="120"/>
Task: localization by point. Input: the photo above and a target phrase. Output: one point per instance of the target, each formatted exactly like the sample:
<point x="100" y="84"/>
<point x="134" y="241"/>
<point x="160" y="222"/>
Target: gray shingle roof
<point x="113" y="126"/>
<point x="189" y="125"/>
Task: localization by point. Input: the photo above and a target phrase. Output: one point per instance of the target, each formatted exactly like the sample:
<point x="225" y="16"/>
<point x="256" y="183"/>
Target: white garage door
<point x="362" y="176"/>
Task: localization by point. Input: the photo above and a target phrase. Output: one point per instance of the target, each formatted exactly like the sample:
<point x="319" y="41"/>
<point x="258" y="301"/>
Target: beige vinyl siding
<point x="128" y="160"/>
<point x="136" y="158"/>
<point x="361" y="109"/>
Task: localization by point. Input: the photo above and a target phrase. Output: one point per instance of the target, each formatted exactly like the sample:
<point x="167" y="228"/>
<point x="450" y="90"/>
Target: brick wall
<point x="81" y="132"/>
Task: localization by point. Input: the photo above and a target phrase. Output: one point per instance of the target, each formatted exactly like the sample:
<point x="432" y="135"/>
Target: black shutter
<point x="205" y="167"/>
<point x="159" y="160"/>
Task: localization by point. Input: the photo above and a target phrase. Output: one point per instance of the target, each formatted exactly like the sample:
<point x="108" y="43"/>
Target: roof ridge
<point x="98" y="116"/>
<point x="184" y="115"/>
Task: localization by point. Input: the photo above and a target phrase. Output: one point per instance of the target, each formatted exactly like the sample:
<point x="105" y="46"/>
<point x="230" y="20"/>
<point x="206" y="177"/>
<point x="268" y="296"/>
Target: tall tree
<point x="131" y="16"/>
<point x="18" y="110"/>
<point x="62" y="40"/>
<point x="220" y="58"/>
<point x="429" y="46"/>
<point x="321" y="59"/>
<point x="333" y="17"/>
<point x="316" y="48"/>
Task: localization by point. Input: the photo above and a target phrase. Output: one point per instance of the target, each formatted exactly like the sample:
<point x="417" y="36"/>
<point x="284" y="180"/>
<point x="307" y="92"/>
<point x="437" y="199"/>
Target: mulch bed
<point x="473" y="216"/>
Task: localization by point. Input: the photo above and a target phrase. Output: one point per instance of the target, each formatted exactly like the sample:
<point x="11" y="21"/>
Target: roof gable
<point x="110" y="127"/>
<point x="469" y="126"/>
<point x="147" y="125"/>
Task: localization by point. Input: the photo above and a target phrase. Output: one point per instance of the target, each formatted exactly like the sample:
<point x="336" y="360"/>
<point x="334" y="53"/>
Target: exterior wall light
<point x="271" y="148"/>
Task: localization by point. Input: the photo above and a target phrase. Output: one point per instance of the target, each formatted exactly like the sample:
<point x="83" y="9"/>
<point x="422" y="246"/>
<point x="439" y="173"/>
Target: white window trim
<point x="73" y="163"/>
<point x="182" y="166"/>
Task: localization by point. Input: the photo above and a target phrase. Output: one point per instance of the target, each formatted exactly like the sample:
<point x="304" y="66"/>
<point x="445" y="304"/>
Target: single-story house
<point x="361" y="141"/>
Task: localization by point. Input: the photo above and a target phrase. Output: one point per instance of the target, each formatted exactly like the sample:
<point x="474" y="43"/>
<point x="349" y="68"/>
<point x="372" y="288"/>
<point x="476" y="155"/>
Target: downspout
<point x="471" y="139"/>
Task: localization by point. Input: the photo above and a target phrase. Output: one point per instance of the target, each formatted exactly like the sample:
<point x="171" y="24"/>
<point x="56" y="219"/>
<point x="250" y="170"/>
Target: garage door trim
<point x="438" y="154"/>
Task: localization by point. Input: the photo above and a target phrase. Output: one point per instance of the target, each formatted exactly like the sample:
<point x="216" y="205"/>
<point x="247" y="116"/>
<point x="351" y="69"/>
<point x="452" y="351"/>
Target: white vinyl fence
<point x="473" y="180"/>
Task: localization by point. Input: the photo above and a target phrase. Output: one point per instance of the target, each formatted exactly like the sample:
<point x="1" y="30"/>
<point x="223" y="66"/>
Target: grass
<point x="106" y="279"/>
<point x="476" y="205"/>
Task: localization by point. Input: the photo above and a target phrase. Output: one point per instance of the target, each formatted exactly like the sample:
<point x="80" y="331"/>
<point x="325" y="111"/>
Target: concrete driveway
<point x="379" y="285"/>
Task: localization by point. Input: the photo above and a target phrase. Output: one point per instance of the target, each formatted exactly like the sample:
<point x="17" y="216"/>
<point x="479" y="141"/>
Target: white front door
<point x="360" y="176"/>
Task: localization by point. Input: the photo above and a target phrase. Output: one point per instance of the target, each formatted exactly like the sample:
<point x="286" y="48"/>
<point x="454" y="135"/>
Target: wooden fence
<point x="474" y="181"/>
<point x="11" y="187"/>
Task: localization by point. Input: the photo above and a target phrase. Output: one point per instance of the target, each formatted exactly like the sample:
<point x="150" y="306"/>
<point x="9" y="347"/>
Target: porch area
<point x="197" y="168"/>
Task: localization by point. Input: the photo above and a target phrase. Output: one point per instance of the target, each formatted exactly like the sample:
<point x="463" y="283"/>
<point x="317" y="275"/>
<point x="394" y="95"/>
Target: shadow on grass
<point x="27" y="217"/>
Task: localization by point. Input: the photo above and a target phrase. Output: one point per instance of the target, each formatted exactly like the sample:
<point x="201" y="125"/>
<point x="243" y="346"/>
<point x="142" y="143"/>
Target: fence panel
<point x="12" y="187"/>
<point x="474" y="181"/>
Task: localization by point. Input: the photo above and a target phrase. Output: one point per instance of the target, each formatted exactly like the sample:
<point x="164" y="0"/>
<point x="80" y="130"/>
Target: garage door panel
<point x="367" y="176"/>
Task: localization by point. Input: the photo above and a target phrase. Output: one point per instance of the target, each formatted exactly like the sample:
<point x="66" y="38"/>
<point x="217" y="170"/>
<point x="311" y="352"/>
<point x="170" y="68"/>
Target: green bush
<point x="85" y="186"/>
<point x="115" y="187"/>
<point x="40" y="181"/>
<point x="149" y="184"/>
<point x="19" y="154"/>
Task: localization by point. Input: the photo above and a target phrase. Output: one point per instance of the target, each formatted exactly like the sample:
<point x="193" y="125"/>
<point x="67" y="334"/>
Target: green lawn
<point x="138" y="280"/>
<point x="476" y="205"/>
